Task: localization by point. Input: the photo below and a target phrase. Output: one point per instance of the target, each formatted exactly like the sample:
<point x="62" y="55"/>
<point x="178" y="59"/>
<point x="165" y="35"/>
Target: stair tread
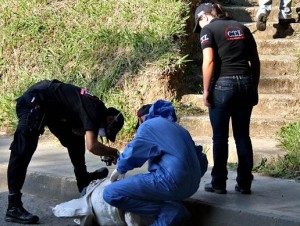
<point x="264" y="143"/>
<point x="269" y="24"/>
<point x="271" y="94"/>
<point x="285" y="58"/>
<point x="292" y="96"/>
<point x="282" y="96"/>
<point x="278" y="40"/>
<point x="262" y="148"/>
<point x="248" y="7"/>
<point x="272" y="119"/>
<point x="285" y="77"/>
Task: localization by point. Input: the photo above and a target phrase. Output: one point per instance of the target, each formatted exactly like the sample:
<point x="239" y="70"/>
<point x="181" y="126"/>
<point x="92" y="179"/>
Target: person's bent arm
<point x="208" y="70"/>
<point x="97" y="148"/>
<point x="255" y="66"/>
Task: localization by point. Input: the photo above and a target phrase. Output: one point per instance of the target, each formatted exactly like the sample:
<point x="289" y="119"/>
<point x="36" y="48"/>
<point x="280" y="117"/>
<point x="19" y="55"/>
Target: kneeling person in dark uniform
<point x="76" y="118"/>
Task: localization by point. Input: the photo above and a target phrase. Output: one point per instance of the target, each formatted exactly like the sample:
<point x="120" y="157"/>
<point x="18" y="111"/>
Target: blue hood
<point x="163" y="109"/>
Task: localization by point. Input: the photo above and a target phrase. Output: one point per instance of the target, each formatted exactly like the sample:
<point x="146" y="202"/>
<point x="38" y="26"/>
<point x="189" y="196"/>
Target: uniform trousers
<point x="26" y="139"/>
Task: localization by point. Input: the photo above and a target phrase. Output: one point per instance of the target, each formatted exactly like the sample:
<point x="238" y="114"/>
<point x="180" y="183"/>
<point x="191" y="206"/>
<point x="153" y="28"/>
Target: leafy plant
<point x="288" y="165"/>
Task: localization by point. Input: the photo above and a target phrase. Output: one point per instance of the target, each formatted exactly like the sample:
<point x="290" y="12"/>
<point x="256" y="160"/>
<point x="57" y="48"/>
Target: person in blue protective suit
<point x="175" y="167"/>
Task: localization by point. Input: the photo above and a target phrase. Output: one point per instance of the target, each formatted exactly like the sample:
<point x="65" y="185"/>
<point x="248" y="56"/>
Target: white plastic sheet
<point x="92" y="209"/>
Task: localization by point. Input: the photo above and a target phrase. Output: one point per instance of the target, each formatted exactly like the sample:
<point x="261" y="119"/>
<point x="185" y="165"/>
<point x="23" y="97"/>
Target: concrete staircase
<point x="279" y="88"/>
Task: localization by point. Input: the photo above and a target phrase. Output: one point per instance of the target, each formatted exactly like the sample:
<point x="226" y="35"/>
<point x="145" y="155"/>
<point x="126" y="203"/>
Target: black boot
<point x="99" y="173"/>
<point x="16" y="212"/>
<point x="84" y="178"/>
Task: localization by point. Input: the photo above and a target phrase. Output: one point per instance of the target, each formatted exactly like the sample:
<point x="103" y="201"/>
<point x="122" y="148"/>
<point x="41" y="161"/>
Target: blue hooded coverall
<point x="173" y="165"/>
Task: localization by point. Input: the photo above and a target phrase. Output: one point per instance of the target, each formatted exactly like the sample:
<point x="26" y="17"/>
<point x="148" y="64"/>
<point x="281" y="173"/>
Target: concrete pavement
<point x="50" y="181"/>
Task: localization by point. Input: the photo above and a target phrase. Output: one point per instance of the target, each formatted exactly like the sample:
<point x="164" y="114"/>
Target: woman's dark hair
<point x="218" y="11"/>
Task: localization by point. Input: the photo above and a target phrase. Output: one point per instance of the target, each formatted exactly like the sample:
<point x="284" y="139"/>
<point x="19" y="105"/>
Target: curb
<point x="44" y="185"/>
<point x="207" y="214"/>
<point x="204" y="213"/>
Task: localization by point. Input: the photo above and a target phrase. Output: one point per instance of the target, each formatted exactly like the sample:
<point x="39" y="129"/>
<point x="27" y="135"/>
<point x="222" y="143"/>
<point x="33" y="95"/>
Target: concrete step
<point x="278" y="64"/>
<point x="274" y="31"/>
<point x="280" y="105"/>
<point x="283" y="105"/>
<point x="260" y="126"/>
<point x="248" y="14"/>
<point x="280" y="84"/>
<point x="278" y="46"/>
<point x="262" y="148"/>
<point x="254" y="3"/>
<point x="239" y="3"/>
<point x="284" y="84"/>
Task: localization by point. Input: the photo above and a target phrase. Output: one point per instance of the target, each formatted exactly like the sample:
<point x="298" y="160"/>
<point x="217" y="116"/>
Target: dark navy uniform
<point x="232" y="43"/>
<point x="68" y="111"/>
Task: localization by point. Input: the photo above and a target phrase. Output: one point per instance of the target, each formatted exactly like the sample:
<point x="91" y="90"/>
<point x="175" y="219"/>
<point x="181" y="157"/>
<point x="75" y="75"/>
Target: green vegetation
<point x="94" y="44"/>
<point x="100" y="45"/>
<point x="287" y="166"/>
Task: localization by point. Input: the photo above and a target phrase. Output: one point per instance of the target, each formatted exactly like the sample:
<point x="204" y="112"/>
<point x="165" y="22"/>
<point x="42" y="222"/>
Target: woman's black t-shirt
<point x="232" y="43"/>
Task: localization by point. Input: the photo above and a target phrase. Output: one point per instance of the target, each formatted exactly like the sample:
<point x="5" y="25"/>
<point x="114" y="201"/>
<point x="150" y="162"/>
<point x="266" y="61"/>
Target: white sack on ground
<point x="91" y="207"/>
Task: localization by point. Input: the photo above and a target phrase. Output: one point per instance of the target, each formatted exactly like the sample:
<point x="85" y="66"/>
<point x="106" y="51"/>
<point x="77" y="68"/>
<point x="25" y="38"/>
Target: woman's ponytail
<point x="218" y="11"/>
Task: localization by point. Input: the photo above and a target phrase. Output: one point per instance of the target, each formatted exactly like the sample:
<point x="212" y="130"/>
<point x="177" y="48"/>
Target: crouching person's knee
<point x="112" y="197"/>
<point x="107" y="196"/>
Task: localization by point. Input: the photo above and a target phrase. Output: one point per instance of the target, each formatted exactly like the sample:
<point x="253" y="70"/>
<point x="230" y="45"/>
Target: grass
<point x="94" y="44"/>
<point x="99" y="45"/>
<point x="287" y="166"/>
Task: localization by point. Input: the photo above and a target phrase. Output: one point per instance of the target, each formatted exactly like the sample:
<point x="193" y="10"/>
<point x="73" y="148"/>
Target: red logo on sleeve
<point x="204" y="39"/>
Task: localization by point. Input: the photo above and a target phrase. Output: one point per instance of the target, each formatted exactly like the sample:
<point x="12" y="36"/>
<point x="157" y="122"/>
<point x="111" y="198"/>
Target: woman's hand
<point x="206" y="99"/>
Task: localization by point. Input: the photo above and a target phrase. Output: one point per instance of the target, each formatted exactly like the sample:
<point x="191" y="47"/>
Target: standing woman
<point x="231" y="71"/>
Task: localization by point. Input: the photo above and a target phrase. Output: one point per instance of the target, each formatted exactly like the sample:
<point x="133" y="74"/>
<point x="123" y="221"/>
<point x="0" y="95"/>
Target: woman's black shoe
<point x="219" y="190"/>
<point x="246" y="191"/>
